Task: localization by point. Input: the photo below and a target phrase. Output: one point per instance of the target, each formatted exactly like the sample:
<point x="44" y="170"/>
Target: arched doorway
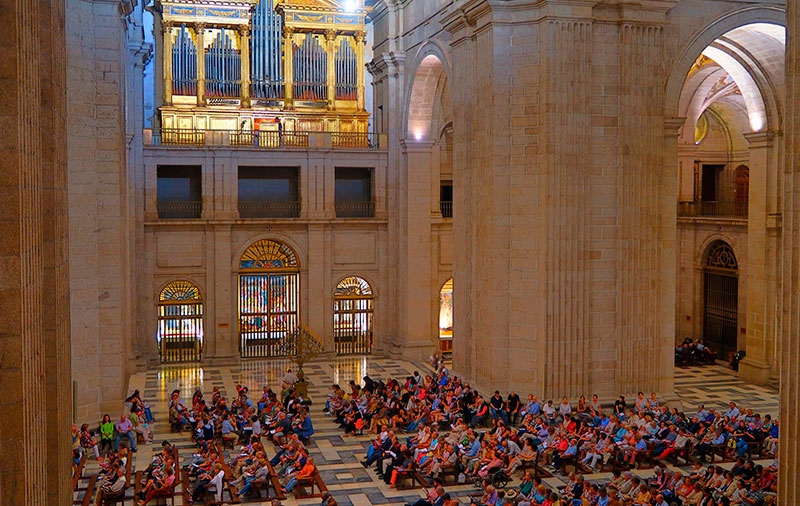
<point x="720" y="299"/>
<point x="352" y="316"/>
<point x="446" y="317"/>
<point x="269" y="289"/>
<point x="180" y="323"/>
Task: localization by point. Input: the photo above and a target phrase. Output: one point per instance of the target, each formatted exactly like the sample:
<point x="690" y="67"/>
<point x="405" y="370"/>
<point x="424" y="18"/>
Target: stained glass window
<point x="266" y="254"/>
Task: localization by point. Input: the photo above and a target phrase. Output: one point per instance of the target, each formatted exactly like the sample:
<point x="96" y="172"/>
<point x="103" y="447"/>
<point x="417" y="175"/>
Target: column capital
<point x="244" y="30"/>
<point x="761" y="139"/>
<point x="199" y="28"/>
<point x="360" y="36"/>
<point x="415" y="146"/>
<point x="330" y="34"/>
<point x="288" y="32"/>
<point x="672" y="126"/>
<point x="167" y="26"/>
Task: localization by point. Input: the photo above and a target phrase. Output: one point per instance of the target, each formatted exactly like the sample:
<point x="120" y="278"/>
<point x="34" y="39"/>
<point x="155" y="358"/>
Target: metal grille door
<point x="267" y="312"/>
<point x="180" y="323"/>
<point x="352" y="316"/>
<point x="721" y="313"/>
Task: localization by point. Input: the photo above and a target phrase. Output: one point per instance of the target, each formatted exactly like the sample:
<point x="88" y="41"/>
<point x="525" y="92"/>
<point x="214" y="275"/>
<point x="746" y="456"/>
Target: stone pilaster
<point x="565" y="47"/>
<point x="414" y="308"/>
<point x="644" y="226"/>
<point x="34" y="278"/>
<point x="389" y="81"/>
<point x="789" y="353"/>
<point x="762" y="259"/>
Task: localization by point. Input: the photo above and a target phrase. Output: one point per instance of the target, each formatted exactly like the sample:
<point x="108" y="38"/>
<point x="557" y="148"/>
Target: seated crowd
<point x="284" y="420"/>
<point x="431" y="425"/>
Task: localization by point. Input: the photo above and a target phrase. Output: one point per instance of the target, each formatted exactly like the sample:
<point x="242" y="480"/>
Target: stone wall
<point x="101" y="216"/>
<point x="206" y="251"/>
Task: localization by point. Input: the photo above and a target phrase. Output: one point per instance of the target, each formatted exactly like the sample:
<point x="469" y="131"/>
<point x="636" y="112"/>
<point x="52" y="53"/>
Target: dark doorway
<point x="710" y="184"/>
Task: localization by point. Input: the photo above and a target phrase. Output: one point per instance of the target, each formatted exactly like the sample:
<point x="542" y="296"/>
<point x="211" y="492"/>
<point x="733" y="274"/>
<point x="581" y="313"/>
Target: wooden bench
<point x="272" y="482"/>
<point x="645" y="459"/>
<point x="88" y="492"/>
<point x="77" y="473"/>
<point x="539" y="468"/>
<point x="315" y="480"/>
<point x="453" y="471"/>
<point x="233" y="492"/>
<point x="722" y="451"/>
<point x="105" y="498"/>
<point x="681" y="453"/>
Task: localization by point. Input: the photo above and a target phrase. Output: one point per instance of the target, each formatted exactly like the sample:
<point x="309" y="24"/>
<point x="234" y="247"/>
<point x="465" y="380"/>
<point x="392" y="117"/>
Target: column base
<point x="418" y="350"/>
<point x="754" y="372"/>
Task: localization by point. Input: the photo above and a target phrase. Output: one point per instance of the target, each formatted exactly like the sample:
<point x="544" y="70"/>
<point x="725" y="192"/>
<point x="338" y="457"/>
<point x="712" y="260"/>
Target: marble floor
<point x="338" y="458"/>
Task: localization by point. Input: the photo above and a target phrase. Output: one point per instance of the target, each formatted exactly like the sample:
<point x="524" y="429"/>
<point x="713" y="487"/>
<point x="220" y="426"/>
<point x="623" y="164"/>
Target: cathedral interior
<point x="553" y="195"/>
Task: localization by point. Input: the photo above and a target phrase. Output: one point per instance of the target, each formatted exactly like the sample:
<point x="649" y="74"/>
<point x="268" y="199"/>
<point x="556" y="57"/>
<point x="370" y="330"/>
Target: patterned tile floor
<point x="338" y="458"/>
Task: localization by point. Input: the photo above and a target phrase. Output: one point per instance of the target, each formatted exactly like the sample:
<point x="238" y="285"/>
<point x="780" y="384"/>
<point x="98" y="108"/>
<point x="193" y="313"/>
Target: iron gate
<point x="268" y="312"/>
<point x="721" y="300"/>
<point x="180" y="323"/>
<point x="352" y="316"/>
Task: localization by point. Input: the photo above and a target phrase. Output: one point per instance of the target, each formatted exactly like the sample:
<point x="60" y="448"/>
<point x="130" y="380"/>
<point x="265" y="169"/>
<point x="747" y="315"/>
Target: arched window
<point x="446" y="317"/>
<point x="269" y="291"/>
<point x="180" y="323"/>
<point x="721" y="299"/>
<point x="352" y="316"/>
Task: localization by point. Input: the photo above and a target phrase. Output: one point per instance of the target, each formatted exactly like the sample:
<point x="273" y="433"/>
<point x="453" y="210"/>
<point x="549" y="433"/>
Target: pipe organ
<point x="247" y="64"/>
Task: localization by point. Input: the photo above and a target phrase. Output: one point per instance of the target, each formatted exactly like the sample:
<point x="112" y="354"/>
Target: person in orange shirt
<point x="305" y="472"/>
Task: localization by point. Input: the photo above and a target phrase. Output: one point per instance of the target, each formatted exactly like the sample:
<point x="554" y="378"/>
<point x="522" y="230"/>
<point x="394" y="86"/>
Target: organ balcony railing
<point x="266" y="209"/>
<point x="712" y="209"/>
<point x="264" y="139"/>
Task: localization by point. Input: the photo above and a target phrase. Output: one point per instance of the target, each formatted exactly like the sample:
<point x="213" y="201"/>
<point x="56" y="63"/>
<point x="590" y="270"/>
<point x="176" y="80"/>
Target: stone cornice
<point x="391" y="63"/>
<point x="470" y="14"/>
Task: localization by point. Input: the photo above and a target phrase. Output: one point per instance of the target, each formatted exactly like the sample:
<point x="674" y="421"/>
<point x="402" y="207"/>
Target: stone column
<point x="360" y="38"/>
<point x="244" y="45"/>
<point x="330" y="49"/>
<point x="288" y="67"/>
<point x="788" y="477"/>
<point x="415" y="287"/>
<point x="166" y="31"/>
<point x="762" y="257"/>
<point x="34" y="273"/>
<point x="200" y="30"/>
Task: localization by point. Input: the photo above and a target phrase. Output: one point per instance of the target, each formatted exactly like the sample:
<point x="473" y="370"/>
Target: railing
<point x="350" y="209"/>
<point x="713" y="208"/>
<point x="179" y="210"/>
<point x="351" y="140"/>
<point x="446" y="208"/>
<point x="182" y="137"/>
<point x="262" y="209"/>
<point x="264" y="139"/>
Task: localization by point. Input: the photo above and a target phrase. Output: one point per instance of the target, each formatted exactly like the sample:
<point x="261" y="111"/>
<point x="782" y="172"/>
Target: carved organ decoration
<point x="255" y="64"/>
